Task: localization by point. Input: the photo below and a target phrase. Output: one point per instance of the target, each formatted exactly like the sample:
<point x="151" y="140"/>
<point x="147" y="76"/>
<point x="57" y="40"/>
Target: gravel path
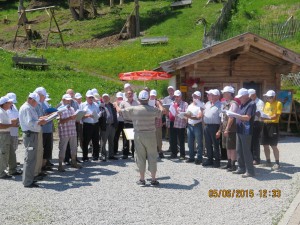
<point x="106" y="193"/>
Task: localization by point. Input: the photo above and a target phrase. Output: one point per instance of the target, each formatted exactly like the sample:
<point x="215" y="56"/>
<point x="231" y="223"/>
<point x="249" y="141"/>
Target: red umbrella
<point x="145" y="75"/>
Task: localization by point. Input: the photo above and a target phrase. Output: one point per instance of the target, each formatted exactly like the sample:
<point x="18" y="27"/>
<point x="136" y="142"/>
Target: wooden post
<point x="137" y="18"/>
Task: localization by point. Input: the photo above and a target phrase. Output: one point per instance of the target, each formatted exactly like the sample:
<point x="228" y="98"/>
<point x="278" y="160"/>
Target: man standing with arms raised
<point x="143" y="118"/>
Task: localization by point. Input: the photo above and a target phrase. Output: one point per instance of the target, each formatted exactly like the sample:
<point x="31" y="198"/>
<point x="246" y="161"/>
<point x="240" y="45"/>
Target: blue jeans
<point x="195" y="132"/>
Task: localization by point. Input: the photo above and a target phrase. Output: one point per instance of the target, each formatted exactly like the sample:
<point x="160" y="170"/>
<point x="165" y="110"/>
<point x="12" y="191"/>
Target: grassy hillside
<point x="89" y="61"/>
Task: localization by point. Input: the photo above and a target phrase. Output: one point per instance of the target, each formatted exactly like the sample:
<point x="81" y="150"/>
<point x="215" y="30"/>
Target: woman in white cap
<point x="270" y="132"/>
<point x="5" y="124"/>
<point x="13" y="114"/>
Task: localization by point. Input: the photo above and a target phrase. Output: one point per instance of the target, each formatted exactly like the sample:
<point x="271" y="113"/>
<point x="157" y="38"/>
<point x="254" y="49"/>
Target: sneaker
<point x="61" y="169"/>
<point x="6" y="176"/>
<point x="276" y="167"/>
<point x="198" y="161"/>
<point x="182" y="158"/>
<point x="190" y="160"/>
<point x="161" y="155"/>
<point x="232" y="168"/>
<point x="267" y="164"/>
<point x="141" y="183"/>
<point x="207" y="163"/>
<point x="238" y="172"/>
<point x="227" y="166"/>
<point x="173" y="156"/>
<point x="246" y="175"/>
<point x="256" y="162"/>
<point x="154" y="183"/>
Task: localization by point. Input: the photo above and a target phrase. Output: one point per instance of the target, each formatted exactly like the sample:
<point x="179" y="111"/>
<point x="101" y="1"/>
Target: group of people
<point x="238" y="121"/>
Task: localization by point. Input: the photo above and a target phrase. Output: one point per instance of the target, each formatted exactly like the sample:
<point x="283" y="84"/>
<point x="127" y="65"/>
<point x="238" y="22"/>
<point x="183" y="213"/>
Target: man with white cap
<point x="13" y="114"/>
<point x="195" y="129"/>
<point x="108" y="134"/>
<point x="158" y="123"/>
<point x="257" y="127"/>
<point x="73" y="103"/>
<point x="244" y="132"/>
<point x="143" y="117"/>
<point x="45" y="139"/>
<point x="119" y="130"/>
<point x="229" y="127"/>
<point x="30" y="124"/>
<point x="212" y="128"/>
<point x="78" y="99"/>
<point x="128" y="121"/>
<point x="67" y="133"/>
<point x="177" y="125"/>
<point x="270" y="132"/>
<point x="5" y="143"/>
<point x="90" y="126"/>
<point x="167" y="101"/>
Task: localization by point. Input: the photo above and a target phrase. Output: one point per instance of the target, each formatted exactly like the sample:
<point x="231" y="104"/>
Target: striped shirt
<point x="67" y="129"/>
<point x="178" y="122"/>
<point x="143" y="117"/>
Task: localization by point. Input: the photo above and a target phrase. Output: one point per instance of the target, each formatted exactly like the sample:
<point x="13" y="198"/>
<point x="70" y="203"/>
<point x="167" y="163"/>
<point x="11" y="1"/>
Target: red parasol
<point x="145" y="75"/>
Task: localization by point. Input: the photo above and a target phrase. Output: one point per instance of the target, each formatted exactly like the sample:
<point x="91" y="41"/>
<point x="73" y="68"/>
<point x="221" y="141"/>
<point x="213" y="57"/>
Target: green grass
<point x="99" y="66"/>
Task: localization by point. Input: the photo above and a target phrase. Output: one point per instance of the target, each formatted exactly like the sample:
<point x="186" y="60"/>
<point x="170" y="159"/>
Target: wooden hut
<point x="247" y="60"/>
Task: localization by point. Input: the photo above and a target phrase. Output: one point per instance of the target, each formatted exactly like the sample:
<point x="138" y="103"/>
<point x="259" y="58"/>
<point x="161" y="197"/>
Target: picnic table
<point x="181" y="3"/>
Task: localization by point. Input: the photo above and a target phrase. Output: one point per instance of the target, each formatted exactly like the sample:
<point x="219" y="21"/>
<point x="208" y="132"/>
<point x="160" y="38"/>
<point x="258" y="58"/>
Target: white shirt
<point x="4" y="119"/>
<point x="90" y="109"/>
<point x="13" y="113"/>
<point x="194" y="110"/>
<point x="29" y="118"/>
<point x="259" y="107"/>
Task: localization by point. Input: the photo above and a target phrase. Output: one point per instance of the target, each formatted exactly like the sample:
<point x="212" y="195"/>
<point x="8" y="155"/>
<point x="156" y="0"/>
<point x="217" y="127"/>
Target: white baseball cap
<point x="228" y="89"/>
<point x="67" y="97"/>
<point x="251" y="91"/>
<point x="97" y="96"/>
<point x="78" y="96"/>
<point x="197" y="93"/>
<point x="119" y="94"/>
<point x="12" y="96"/>
<point x="143" y="95"/>
<point x="171" y="87"/>
<point x="209" y="91"/>
<point x="35" y="96"/>
<point x="105" y="95"/>
<point x="270" y="93"/>
<point x="153" y="92"/>
<point x="41" y="90"/>
<point x="177" y="93"/>
<point x="242" y="92"/>
<point x="5" y="99"/>
<point x="89" y="93"/>
<point x="214" y="92"/>
<point x="95" y="91"/>
<point x="127" y="85"/>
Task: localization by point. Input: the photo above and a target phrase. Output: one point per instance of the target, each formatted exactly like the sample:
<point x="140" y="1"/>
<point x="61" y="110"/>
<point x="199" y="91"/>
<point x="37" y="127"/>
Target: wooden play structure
<point x="23" y="23"/>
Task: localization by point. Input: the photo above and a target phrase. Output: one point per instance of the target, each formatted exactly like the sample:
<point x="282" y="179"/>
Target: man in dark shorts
<point x="270" y="132"/>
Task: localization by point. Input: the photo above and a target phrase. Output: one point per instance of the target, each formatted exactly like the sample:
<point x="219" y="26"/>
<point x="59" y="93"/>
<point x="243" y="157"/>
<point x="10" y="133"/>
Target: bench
<point x="181" y="3"/>
<point x="154" y="40"/>
<point x="30" y="62"/>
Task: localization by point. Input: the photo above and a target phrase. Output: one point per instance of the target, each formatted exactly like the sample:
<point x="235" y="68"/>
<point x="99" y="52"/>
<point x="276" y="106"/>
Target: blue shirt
<point x="246" y="127"/>
<point x="48" y="127"/>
